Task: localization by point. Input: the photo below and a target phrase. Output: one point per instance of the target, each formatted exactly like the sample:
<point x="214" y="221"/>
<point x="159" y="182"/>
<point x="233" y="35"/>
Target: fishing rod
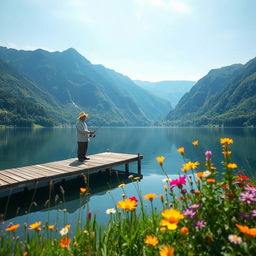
<point x="94" y="135"/>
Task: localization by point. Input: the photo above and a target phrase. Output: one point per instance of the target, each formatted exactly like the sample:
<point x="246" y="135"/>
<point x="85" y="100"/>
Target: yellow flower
<point x="189" y="166"/>
<point x="226" y="153"/>
<point x="35" y="225"/>
<point x="67" y="226"/>
<point x="83" y="190"/>
<point x="226" y="141"/>
<point x="166" y="250"/>
<point x="246" y="230"/>
<point x="181" y="150"/>
<point x="184" y="231"/>
<point x="150" y="197"/>
<point x="171" y="218"/>
<point x="151" y="240"/>
<point x="160" y="160"/>
<point x="12" y="227"/>
<point x="51" y="227"/>
<point x="195" y="143"/>
<point x="127" y="204"/>
<point x="64" y="242"/>
<point x="121" y="185"/>
<point x="232" y="166"/>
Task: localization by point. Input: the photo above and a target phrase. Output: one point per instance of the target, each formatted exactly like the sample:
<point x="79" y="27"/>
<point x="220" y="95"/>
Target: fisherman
<point x="82" y="137"/>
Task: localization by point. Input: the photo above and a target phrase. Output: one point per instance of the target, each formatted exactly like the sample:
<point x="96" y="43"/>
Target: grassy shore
<point x="207" y="212"/>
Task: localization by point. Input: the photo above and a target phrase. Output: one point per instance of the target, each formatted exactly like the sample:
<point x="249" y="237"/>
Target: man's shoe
<point x="81" y="160"/>
<point x="86" y="158"/>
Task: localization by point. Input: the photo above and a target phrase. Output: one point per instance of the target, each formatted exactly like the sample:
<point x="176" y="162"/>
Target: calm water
<point x="21" y="147"/>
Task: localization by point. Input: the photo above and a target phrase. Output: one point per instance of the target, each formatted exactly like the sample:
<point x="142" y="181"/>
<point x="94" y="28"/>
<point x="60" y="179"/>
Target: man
<point x="82" y="137"/>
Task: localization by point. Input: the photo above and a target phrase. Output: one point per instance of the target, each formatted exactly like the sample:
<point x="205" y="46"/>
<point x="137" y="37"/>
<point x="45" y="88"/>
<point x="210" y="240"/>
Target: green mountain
<point x="75" y="84"/>
<point x="168" y="90"/>
<point x="224" y="97"/>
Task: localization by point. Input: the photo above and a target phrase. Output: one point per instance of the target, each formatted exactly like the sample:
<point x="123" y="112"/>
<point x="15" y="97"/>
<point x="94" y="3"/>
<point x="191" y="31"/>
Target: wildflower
<point x="121" y="185"/>
<point x="35" y="226"/>
<point x="127" y="205"/>
<point x="235" y="239"/>
<point x="151" y="240"/>
<point x="181" y="150"/>
<point x="231" y="165"/>
<point x="248" y="197"/>
<point x="50" y="227"/>
<point x="12" y="227"/>
<point x="246" y="230"/>
<point x="226" y="153"/>
<point x="253" y="213"/>
<point x="250" y="188"/>
<point x="210" y="180"/>
<point x="194" y="206"/>
<point x="226" y="141"/>
<point x="190" y="166"/>
<point x="150" y="197"/>
<point x="83" y="190"/>
<point x="64" y="242"/>
<point x="25" y="253"/>
<point x="110" y="211"/>
<point x="200" y="224"/>
<point x="195" y="143"/>
<point x="190" y="213"/>
<point x="160" y="160"/>
<point x="200" y="175"/>
<point x="165" y="187"/>
<point x="89" y="215"/>
<point x="64" y="231"/>
<point x="166" y="180"/>
<point x="197" y="192"/>
<point x="241" y="177"/>
<point x="166" y="250"/>
<point x="208" y="155"/>
<point x="171" y="218"/>
<point x="184" y="231"/>
<point x="133" y="198"/>
<point x="179" y="182"/>
<point x="67" y="226"/>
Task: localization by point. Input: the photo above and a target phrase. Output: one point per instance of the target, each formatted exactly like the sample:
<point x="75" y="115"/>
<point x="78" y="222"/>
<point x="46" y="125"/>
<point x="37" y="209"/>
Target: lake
<point x="21" y="147"/>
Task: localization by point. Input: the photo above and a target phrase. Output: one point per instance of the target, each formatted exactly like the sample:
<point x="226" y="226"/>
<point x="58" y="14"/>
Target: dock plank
<point x="56" y="170"/>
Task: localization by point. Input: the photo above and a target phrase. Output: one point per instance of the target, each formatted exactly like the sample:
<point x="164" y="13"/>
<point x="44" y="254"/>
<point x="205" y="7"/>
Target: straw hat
<point x="82" y="114"/>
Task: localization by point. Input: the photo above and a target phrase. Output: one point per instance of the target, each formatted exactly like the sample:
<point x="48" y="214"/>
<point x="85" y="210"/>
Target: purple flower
<point x="253" y="213"/>
<point x="184" y="191"/>
<point x="194" y="206"/>
<point x="208" y="155"/>
<point x="89" y="215"/>
<point x="250" y="189"/>
<point x="200" y="224"/>
<point x="190" y="213"/>
<point x="245" y="215"/>
<point x="248" y="197"/>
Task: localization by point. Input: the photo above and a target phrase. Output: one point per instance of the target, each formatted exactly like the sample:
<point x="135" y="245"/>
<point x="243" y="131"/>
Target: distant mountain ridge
<point x="168" y="90"/>
<point x="224" y="97"/>
<point x="74" y="84"/>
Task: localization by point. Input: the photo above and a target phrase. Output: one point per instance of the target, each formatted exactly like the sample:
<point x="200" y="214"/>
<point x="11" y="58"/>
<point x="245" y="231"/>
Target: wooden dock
<point x="24" y="177"/>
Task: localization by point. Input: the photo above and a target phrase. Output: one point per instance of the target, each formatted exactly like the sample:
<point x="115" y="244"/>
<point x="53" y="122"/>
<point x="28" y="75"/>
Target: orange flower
<point x="64" y="242"/>
<point x="127" y="204"/>
<point x="197" y="192"/>
<point x="211" y="180"/>
<point x="150" y="197"/>
<point x="184" y="231"/>
<point x="166" y="250"/>
<point x="246" y="230"/>
<point x="83" y="190"/>
<point x="25" y="253"/>
<point x="226" y="141"/>
<point x="151" y="240"/>
<point x="200" y="175"/>
<point x="195" y="143"/>
<point x="51" y="227"/>
<point x="181" y="150"/>
<point x="226" y="153"/>
<point x="160" y="160"/>
<point x="35" y="226"/>
<point x="12" y="228"/>
<point x="232" y="165"/>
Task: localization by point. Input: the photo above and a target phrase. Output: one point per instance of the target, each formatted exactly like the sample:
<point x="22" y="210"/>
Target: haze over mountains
<point x="51" y="88"/>
<point x="72" y="84"/>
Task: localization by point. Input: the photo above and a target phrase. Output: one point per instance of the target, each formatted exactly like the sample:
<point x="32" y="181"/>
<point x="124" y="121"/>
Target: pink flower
<point x="179" y="182"/>
<point x="133" y="198"/>
<point x="208" y="155"/>
<point x="235" y="239"/>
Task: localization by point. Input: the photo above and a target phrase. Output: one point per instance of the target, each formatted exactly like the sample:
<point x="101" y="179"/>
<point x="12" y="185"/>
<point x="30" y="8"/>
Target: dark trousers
<point x="82" y="149"/>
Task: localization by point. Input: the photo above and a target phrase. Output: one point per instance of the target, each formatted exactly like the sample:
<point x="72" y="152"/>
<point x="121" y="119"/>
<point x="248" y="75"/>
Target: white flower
<point x="206" y="174"/>
<point x="64" y="231"/>
<point x="166" y="180"/>
<point x="110" y="211"/>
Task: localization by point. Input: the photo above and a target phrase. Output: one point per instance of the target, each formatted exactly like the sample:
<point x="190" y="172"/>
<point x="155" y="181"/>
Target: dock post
<point x="139" y="164"/>
<point x="126" y="168"/>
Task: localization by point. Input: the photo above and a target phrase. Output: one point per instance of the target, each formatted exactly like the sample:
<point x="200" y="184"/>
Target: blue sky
<point x="149" y="40"/>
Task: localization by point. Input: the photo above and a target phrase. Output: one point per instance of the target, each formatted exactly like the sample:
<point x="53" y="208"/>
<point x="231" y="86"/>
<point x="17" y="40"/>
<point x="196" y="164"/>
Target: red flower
<point x="242" y="177"/>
